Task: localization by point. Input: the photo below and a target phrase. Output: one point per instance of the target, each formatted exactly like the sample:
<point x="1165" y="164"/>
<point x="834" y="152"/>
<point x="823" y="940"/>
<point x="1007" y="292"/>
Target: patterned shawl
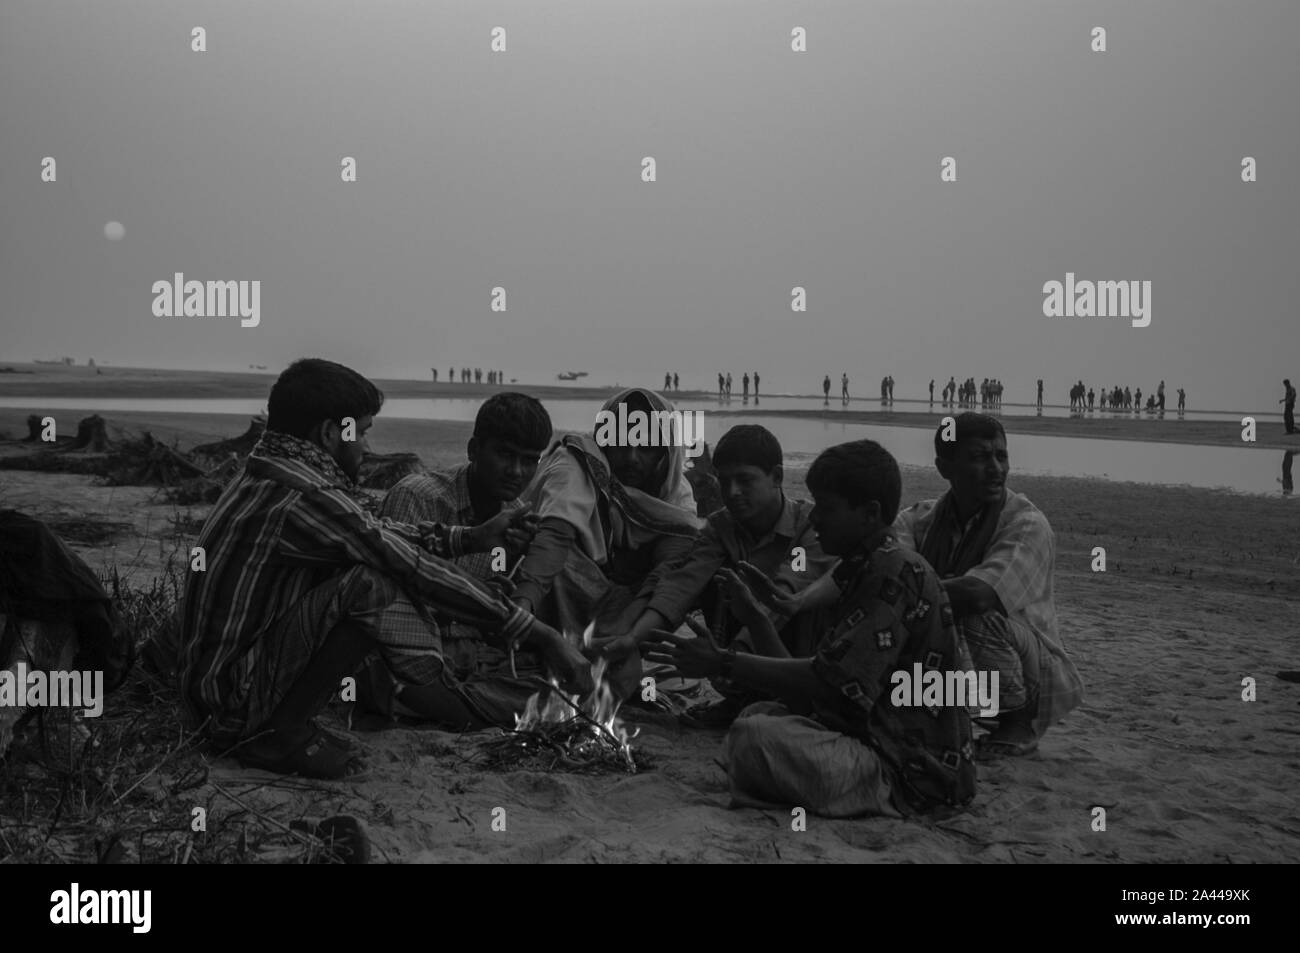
<point x="575" y="484"/>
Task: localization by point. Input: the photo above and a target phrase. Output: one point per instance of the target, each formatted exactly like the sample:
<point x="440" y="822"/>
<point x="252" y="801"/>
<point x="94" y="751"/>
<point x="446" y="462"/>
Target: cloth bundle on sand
<point x="56" y="614"/>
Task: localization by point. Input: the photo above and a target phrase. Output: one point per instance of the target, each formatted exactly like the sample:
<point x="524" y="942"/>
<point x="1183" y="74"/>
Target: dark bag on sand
<point x="42" y="579"/>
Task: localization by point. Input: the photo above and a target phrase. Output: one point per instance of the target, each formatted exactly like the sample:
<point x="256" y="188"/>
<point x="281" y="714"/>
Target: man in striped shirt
<point x="995" y="553"/>
<point x="298" y="579"/>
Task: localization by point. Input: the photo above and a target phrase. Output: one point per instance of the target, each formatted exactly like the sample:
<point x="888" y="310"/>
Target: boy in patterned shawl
<point x="841" y="742"/>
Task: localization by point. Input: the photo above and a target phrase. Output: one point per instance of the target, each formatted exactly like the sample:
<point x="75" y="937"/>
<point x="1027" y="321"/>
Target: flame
<point x="601" y="706"/>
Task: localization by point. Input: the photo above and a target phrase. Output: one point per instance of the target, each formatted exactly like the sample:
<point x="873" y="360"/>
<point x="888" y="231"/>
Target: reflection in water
<point x="1288" y="484"/>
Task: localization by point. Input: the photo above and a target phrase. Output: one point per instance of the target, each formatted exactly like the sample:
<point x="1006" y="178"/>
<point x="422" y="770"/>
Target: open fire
<point x="556" y="729"/>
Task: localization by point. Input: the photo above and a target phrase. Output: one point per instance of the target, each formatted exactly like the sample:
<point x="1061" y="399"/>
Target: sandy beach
<point x="1200" y="591"/>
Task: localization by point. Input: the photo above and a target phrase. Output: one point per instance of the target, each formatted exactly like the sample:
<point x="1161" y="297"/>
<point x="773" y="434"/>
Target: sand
<point x="1200" y="591"/>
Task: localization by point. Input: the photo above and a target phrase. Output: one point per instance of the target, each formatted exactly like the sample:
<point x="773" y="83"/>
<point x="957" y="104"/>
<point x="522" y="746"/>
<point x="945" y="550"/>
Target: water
<point x="1242" y="469"/>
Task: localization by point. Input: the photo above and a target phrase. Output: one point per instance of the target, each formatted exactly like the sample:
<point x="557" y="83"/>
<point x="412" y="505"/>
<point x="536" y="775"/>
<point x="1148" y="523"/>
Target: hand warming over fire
<point x="613" y="648"/>
<point x="744" y="606"/>
<point x="566" y="661"/>
<point x="700" y="657"/>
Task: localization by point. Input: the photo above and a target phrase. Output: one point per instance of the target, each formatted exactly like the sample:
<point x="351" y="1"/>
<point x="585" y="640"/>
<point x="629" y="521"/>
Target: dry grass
<point x="124" y="787"/>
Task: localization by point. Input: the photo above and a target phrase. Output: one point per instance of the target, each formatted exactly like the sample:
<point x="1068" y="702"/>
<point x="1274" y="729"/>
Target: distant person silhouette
<point x="1288" y="406"/>
<point x="744" y="385"/>
<point x="1040" y="392"/>
<point x="721" y="385"/>
<point x="755" y="385"/>
<point x="676" y="386"/>
<point x="826" y="388"/>
<point x="931" y="391"/>
<point x="1160" y="395"/>
<point x="844" y="388"/>
<point x="1182" y="400"/>
<point x="1288" y="484"/>
<point x="728" y="384"/>
<point x="668" y="381"/>
<point x="1092" y="399"/>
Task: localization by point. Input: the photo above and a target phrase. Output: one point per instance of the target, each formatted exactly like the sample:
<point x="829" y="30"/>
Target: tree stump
<point x="91" y="435"/>
<point x="220" y="451"/>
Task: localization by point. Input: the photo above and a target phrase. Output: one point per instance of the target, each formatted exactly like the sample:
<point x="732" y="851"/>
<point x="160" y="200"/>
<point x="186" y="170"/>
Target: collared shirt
<point x="894" y="617"/>
<point x="444" y="497"/>
<point x="1018" y="564"/>
<point x="283" y="526"/>
<point x="724" y="542"/>
<point x="441" y="498"/>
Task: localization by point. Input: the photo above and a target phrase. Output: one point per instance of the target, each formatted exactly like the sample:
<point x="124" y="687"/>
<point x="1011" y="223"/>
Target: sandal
<point x="345" y="837"/>
<point x="320" y="757"/>
<point x="990" y="748"/>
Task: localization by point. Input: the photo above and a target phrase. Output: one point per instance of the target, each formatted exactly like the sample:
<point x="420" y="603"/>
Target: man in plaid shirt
<point x="299" y="581"/>
<point x="995" y="552"/>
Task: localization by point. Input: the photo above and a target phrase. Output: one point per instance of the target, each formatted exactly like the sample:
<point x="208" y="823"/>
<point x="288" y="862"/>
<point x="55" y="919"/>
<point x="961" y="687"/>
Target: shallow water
<point x="1242" y="469"/>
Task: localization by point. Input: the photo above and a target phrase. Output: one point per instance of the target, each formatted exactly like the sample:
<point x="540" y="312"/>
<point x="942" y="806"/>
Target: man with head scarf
<point x="616" y="511"/>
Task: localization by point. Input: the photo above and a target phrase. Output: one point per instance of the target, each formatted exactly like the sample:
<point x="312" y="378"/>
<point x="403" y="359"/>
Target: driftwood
<point x="147" y="462"/>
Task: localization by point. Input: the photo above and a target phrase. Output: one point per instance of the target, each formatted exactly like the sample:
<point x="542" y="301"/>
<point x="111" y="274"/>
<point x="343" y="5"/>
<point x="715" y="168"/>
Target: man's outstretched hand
<point x="565" y="661"/>
<point x="699" y="657"/>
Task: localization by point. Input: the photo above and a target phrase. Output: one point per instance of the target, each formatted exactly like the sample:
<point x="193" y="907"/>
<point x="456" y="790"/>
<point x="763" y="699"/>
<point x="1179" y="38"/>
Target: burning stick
<point x="582" y="735"/>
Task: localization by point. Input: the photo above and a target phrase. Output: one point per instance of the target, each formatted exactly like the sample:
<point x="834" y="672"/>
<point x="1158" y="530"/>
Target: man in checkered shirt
<point x="995" y="552"/>
<point x="478" y="684"/>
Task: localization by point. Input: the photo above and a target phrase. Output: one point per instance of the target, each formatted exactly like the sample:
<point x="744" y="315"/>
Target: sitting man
<point x="298" y="579"/>
<point x="757" y="532"/>
<point x="615" y="515"/>
<point x="843" y="741"/>
<point x="994" y="551"/>
<point x="479" y="684"/>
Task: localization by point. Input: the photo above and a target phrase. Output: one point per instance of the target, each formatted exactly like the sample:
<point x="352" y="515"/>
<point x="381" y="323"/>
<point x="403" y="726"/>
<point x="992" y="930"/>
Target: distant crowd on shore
<point x="987" y="395"/>
<point x="470" y="376"/>
<point x="1117" y="399"/>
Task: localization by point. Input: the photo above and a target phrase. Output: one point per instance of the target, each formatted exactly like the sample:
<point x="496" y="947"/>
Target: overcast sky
<point x="775" y="169"/>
